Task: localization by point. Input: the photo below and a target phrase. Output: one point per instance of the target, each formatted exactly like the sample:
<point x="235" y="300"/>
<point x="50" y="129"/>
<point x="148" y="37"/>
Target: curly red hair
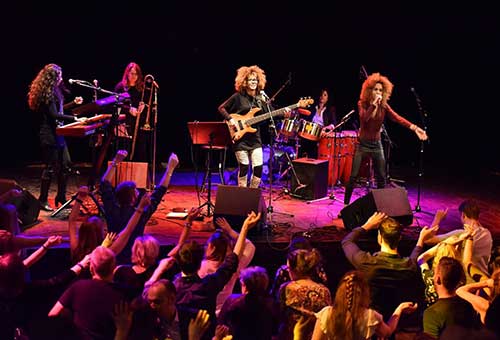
<point x="365" y="96"/>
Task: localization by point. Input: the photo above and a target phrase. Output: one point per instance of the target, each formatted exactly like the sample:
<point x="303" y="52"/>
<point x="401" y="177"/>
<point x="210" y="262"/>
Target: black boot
<point x="61" y="189"/>
<point x="44" y="194"/>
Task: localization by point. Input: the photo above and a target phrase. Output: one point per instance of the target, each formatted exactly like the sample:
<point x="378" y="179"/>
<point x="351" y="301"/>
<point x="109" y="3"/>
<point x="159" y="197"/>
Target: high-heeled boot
<point x="44" y="194"/>
<point x="62" y="181"/>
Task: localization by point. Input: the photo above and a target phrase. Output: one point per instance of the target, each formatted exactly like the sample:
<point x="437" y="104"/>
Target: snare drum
<point x="290" y="127"/>
<point x="310" y="130"/>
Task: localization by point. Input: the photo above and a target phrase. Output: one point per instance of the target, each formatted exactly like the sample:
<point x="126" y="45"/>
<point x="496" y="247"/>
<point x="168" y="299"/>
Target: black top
<point x="241" y="104"/>
<point x="48" y="118"/>
<point x="135" y="99"/>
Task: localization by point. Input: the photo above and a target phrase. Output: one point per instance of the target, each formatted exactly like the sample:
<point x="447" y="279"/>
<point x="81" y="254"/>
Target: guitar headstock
<point x="305" y="102"/>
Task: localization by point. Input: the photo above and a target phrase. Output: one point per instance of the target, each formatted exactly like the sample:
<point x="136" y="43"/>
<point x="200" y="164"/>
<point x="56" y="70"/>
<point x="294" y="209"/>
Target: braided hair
<point x="351" y="300"/>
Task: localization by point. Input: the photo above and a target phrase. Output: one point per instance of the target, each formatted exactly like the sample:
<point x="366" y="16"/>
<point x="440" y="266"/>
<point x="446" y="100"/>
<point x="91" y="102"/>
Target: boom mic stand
<point x="423" y="117"/>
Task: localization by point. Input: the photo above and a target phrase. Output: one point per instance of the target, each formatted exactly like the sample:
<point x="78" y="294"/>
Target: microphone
<point x="346" y="117"/>
<point x="264" y="95"/>
<point x="96" y="83"/>
<point x="77" y="81"/>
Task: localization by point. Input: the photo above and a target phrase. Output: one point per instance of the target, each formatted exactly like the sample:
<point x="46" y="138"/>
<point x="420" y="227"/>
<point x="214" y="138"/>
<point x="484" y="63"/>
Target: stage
<point x="317" y="220"/>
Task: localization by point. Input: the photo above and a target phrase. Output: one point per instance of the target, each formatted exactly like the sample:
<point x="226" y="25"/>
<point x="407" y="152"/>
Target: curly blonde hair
<point x="44" y="88"/>
<point x="145" y="251"/>
<point x="365" y="96"/>
<point x="240" y="82"/>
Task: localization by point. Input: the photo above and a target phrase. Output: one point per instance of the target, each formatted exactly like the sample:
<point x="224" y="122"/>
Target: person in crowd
<point x="282" y="274"/>
<point x="46" y="100"/>
<point x="449" y="309"/>
<point x="253" y="314"/>
<point x="120" y="203"/>
<point x="484" y="298"/>
<point x="373" y="107"/>
<point x="301" y="295"/>
<point x="482" y="242"/>
<point x="350" y="316"/>
<point x="392" y="278"/>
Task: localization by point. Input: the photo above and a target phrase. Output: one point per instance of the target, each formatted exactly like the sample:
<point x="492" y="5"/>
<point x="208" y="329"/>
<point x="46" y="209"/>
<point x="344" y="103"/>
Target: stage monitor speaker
<point x="27" y="206"/>
<point x="234" y="203"/>
<point x="312" y="175"/>
<point x="130" y="171"/>
<point x="392" y="201"/>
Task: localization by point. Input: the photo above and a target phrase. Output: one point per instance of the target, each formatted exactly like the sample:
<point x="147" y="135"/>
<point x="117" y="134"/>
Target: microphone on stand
<point x="78" y="81"/>
<point x="265" y="96"/>
<point x="347" y="116"/>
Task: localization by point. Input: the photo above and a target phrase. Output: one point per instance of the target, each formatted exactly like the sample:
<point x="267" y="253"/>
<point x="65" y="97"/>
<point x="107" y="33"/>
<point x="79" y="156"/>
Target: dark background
<point x="448" y="54"/>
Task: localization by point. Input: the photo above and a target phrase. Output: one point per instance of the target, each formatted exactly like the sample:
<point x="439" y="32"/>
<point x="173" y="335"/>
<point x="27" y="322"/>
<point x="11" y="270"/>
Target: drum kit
<point x="336" y="146"/>
<point x="287" y="142"/>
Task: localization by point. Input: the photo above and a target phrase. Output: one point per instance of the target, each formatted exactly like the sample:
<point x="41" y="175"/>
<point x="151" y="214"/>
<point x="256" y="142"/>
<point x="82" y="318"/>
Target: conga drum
<point x="329" y="148"/>
<point x="347" y="148"/>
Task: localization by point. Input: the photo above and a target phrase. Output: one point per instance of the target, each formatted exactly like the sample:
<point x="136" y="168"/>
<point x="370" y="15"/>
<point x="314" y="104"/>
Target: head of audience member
<point x="302" y="263"/>
<point x="494" y="259"/>
<point x="189" y="257"/>
<point x="444" y="249"/>
<point x="145" y="251"/>
<point x="448" y="276"/>
<point x="299" y="242"/>
<point x="90" y="235"/>
<point x="389" y="233"/>
<point x="254" y="281"/>
<point x="351" y="300"/>
<point x="469" y="211"/>
<point x="126" y="193"/>
<point x="160" y="297"/>
<point x="12" y="275"/>
<point x="218" y="245"/>
<point x="102" y="263"/>
<point x="132" y="76"/>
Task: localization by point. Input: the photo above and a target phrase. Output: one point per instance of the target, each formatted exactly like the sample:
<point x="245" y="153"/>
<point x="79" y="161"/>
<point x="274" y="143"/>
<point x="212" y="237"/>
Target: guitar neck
<point x="268" y="115"/>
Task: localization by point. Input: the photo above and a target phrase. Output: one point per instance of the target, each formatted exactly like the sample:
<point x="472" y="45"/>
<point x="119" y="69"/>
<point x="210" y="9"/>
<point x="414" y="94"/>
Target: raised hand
<point x="199" y="325"/>
<point x="223" y="223"/>
<point x="173" y="161"/>
<point x="83" y="191"/>
<point x="193" y="213"/>
<point x="120" y="156"/>
<point x="78" y="100"/>
<point x="251" y="219"/>
<point x="109" y="239"/>
<point x="374" y="221"/>
<point x="222" y="332"/>
<point x="145" y="201"/>
<point x="53" y="240"/>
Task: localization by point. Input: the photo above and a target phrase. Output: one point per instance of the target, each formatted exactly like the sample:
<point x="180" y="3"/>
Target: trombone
<point x="149" y="83"/>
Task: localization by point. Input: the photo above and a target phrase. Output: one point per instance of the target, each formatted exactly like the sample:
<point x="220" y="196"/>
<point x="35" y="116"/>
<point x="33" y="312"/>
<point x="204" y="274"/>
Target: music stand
<point x="211" y="134"/>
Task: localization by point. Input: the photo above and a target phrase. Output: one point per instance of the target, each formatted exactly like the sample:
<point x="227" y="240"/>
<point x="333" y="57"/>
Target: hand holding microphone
<point x="377" y="100"/>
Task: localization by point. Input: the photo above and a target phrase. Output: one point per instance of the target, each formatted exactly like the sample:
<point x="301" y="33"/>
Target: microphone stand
<point x="272" y="134"/>
<point x="153" y="137"/>
<point x="423" y="117"/>
<point x="390" y="144"/>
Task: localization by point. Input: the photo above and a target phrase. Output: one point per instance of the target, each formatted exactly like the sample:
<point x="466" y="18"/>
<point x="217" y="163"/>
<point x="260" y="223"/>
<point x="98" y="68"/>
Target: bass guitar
<point x="243" y="123"/>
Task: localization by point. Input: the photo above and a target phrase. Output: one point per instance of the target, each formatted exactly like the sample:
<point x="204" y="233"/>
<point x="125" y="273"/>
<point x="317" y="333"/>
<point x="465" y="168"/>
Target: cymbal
<point x="304" y="112"/>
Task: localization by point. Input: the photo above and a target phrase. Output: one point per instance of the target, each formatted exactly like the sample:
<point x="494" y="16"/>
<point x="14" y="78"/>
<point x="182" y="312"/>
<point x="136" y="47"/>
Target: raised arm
<point x="469" y="293"/>
<point x="123" y="237"/>
<point x="386" y="329"/>
<point x="249" y="222"/>
<point x="119" y="157"/>
<point x="173" y="161"/>
<point x="73" y="217"/>
<point x="40" y="252"/>
<point x="193" y="213"/>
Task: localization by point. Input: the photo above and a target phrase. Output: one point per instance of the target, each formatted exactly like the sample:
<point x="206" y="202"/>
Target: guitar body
<point x="243" y="123"/>
<point x="241" y="128"/>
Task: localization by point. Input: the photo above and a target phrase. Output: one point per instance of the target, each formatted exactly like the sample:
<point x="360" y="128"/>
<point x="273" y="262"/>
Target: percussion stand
<point x="331" y="195"/>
